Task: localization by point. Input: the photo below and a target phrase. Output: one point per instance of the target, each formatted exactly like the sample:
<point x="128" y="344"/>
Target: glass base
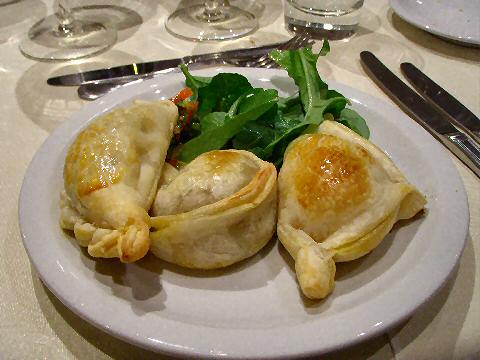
<point x="47" y="41"/>
<point x="339" y="21"/>
<point x="320" y="31"/>
<point x="195" y="23"/>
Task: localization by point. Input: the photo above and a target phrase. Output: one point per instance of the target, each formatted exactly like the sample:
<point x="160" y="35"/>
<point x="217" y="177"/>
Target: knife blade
<point x="153" y="66"/>
<point x="423" y="113"/>
<point x="442" y="100"/>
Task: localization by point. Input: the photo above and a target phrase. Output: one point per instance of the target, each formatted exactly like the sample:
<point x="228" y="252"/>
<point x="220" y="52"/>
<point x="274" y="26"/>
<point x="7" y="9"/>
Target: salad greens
<point x="233" y="114"/>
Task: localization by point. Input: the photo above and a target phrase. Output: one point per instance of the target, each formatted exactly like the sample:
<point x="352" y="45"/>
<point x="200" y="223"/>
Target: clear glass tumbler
<point x="332" y="19"/>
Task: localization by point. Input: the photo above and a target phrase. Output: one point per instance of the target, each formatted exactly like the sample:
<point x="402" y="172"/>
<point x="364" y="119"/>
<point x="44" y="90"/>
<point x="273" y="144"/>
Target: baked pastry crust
<point x="111" y="175"/>
<point x="339" y="196"/>
<point x="218" y="210"/>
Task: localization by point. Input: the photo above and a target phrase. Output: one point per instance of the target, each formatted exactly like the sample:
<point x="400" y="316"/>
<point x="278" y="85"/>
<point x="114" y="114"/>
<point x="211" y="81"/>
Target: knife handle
<point x="467" y="150"/>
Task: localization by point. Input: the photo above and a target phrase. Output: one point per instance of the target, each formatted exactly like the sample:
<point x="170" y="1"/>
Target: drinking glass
<point x="331" y="19"/>
<point x="67" y="35"/>
<point x="212" y="20"/>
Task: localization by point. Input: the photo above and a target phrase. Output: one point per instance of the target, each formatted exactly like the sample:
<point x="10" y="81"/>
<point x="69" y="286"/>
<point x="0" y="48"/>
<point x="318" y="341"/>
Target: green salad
<point x="225" y="111"/>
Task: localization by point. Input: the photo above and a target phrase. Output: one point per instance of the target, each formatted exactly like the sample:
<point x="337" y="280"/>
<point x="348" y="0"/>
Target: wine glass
<point x="212" y="20"/>
<point x="67" y="35"/>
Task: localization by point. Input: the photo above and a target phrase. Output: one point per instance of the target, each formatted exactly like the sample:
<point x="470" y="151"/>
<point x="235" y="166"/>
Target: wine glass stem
<point x="213" y="10"/>
<point x="65" y="17"/>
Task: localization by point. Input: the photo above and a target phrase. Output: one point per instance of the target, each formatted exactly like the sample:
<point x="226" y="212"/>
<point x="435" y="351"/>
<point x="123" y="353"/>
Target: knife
<point x="151" y="67"/>
<point x="460" y="144"/>
<point x="443" y="101"/>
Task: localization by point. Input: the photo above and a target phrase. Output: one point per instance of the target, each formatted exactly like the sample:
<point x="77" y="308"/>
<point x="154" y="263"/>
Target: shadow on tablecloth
<point x="48" y="106"/>
<point x="436" y="326"/>
<point x="17" y="16"/>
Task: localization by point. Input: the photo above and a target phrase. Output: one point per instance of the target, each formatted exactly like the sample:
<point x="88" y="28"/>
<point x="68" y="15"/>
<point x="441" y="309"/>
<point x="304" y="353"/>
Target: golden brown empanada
<point x="111" y="174"/>
<point x="339" y="196"/>
<point x="219" y="209"/>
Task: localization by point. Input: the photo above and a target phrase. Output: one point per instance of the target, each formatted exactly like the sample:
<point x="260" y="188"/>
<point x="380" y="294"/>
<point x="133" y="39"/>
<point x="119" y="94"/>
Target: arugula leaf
<point x="255" y="97"/>
<point x="212" y="120"/>
<point x="267" y="129"/>
<point x="319" y="102"/>
<point x="194" y="82"/>
<point x="287" y="121"/>
<point x="354" y="121"/>
<point x="301" y="66"/>
<point x="234" y="114"/>
<point x="325" y="48"/>
<point x="286" y="103"/>
<point x="253" y="135"/>
<point x="276" y="149"/>
<point x="249" y="107"/>
<point x="222" y="91"/>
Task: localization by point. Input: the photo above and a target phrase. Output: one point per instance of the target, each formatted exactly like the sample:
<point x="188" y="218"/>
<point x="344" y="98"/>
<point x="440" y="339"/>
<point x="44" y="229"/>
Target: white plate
<point x="457" y="20"/>
<point x="252" y="309"/>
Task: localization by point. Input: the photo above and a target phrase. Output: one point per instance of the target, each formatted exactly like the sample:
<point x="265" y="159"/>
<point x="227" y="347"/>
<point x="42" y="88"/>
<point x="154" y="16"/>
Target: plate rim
<point x="124" y="94"/>
<point x="397" y="7"/>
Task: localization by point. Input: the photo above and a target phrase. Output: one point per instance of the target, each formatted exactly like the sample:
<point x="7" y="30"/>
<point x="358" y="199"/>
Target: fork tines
<point x="296" y="42"/>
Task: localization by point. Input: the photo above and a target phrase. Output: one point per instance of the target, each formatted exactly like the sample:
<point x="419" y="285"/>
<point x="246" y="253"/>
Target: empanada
<point x="339" y="196"/>
<point x="111" y="174"/>
<point x="219" y="209"/>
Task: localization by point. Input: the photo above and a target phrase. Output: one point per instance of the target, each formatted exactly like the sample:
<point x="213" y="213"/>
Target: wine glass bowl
<point x="210" y="21"/>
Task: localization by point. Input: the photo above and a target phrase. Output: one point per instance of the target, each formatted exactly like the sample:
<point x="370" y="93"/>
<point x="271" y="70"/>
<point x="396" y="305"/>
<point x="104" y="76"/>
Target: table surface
<point x="34" y="324"/>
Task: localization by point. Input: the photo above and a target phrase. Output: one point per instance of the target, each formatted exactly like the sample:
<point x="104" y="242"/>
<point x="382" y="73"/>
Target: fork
<point x="265" y="61"/>
<point x="93" y="91"/>
<point x="297" y="42"/>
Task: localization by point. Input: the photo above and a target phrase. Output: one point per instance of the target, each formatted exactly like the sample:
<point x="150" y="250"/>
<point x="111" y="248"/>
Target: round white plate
<point x="457" y="20"/>
<point x="252" y="309"/>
